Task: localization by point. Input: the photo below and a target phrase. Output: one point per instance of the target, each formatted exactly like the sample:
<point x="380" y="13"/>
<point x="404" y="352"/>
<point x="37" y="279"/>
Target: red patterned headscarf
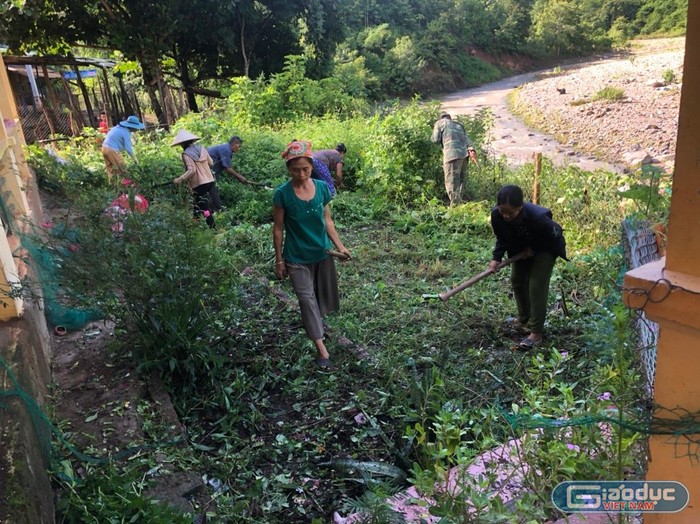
<point x="296" y="149"/>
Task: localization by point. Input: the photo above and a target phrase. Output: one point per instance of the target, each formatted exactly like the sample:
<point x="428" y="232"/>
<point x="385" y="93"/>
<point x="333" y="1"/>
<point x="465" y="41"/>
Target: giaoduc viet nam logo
<point x="620" y="496"/>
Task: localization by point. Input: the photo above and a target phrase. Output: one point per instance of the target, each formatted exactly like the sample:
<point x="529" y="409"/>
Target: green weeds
<point x="669" y="76"/>
<point x="110" y="494"/>
<point x="650" y="192"/>
<point x="609" y="94"/>
<point x="441" y="378"/>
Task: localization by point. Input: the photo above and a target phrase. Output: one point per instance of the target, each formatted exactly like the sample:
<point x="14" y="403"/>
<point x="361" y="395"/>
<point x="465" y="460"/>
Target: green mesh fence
<point x="43" y="258"/>
<point x="45" y="430"/>
<point x="680" y="425"/>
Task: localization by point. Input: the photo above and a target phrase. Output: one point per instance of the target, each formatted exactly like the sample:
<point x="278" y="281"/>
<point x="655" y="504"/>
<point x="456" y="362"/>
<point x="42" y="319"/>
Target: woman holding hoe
<point x="525" y="227"/>
<point x="302" y="233"/>
<point x="197" y="174"/>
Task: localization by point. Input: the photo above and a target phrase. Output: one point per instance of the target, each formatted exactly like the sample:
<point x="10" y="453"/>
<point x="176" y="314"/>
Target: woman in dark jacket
<point x="525" y="227"/>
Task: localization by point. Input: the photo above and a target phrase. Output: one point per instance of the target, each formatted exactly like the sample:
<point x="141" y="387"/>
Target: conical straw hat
<point x="184" y="136"/>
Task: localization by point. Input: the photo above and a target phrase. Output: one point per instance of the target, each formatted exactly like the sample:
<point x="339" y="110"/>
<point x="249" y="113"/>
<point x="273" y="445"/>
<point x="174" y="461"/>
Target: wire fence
<point x="639" y="242"/>
<point x="49" y="108"/>
<point x="43" y="122"/>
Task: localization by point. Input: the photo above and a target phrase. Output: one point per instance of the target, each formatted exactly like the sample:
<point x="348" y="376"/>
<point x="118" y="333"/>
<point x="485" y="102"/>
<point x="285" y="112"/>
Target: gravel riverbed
<point x="642" y="122"/>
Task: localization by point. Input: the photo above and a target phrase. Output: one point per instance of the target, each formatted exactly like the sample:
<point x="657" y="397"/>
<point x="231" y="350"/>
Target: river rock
<point x="637" y="158"/>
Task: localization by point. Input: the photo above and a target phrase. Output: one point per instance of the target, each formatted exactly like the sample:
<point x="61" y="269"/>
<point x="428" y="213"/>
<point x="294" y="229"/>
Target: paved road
<point x="510" y="137"/>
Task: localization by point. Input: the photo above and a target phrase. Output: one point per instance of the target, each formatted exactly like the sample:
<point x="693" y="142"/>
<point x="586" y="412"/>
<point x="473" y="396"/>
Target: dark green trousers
<point x="530" y="281"/>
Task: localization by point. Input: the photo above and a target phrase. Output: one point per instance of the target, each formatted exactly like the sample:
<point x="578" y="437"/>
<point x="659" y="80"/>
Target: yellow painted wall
<point x="25" y="342"/>
<point x="672" y="297"/>
<point x="14" y="179"/>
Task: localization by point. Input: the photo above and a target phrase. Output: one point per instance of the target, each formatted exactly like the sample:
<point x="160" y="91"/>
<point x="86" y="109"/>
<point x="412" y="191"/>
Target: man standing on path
<point x="221" y="155"/>
<point x="456" y="146"/>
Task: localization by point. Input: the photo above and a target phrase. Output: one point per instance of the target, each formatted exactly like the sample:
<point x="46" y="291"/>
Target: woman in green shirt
<point x="303" y="232"/>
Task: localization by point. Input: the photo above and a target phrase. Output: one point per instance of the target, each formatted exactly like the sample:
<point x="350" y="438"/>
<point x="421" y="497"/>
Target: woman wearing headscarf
<point x="303" y="232"/>
<point x="524" y="227"/>
<point x="197" y="173"/>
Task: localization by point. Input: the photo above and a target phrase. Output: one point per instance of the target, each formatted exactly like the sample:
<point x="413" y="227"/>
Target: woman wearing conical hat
<point x="197" y="173"/>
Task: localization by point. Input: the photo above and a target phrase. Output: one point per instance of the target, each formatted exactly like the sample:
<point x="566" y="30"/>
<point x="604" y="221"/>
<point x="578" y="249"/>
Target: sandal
<point x="527" y="344"/>
<point x="324" y="363"/>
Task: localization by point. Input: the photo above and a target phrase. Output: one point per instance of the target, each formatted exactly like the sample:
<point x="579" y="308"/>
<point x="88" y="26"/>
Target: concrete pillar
<point x="669" y="293"/>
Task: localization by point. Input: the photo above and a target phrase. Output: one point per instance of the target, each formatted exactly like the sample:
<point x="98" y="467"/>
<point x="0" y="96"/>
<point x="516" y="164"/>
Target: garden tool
<point x="473" y="280"/>
<point x="163" y="184"/>
<point x="261" y="185"/>
<point x="338" y="255"/>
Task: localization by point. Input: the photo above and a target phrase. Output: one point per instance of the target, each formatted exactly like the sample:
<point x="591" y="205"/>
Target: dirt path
<point x="574" y="129"/>
<point x="510" y="137"/>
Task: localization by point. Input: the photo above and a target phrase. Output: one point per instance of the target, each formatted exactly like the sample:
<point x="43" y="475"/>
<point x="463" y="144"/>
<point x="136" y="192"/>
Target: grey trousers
<point x="455" y="177"/>
<point x="316" y="287"/>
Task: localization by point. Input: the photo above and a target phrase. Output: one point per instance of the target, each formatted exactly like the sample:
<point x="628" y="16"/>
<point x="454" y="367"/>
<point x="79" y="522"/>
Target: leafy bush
<point x="359" y="82"/>
<point x="401" y="161"/>
<point x="244" y="204"/>
<point x="662" y="17"/>
<point x="475" y="71"/>
<point x="289" y="95"/>
<point x="159" y="162"/>
<point x="110" y="494"/>
<point x="669" y="76"/>
<point x="549" y="453"/>
<point x="63" y="175"/>
<point x="401" y="68"/>
<point x="650" y="191"/>
<point x="621" y="31"/>
<point x="163" y="279"/>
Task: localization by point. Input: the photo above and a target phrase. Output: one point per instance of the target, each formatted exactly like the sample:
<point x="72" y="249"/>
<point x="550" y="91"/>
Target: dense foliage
<point x="374" y="48"/>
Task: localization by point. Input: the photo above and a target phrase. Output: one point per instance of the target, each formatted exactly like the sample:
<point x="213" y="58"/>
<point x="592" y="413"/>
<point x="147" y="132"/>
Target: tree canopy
<point x="379" y="47"/>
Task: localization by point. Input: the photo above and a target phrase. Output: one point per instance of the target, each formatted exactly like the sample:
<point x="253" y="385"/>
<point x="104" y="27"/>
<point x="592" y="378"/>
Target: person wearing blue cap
<point x="118" y="139"/>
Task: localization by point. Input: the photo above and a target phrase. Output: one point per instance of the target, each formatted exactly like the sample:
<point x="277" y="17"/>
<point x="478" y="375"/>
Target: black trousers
<point x="200" y="202"/>
<point x="214" y="197"/>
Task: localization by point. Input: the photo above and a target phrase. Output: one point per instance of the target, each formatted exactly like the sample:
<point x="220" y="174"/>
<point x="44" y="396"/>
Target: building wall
<point x="25" y="491"/>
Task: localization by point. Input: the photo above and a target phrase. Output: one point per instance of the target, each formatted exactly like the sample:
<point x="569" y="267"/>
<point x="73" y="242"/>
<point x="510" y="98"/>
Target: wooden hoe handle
<point x="468" y="283"/>
<point x="338" y="254"/>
